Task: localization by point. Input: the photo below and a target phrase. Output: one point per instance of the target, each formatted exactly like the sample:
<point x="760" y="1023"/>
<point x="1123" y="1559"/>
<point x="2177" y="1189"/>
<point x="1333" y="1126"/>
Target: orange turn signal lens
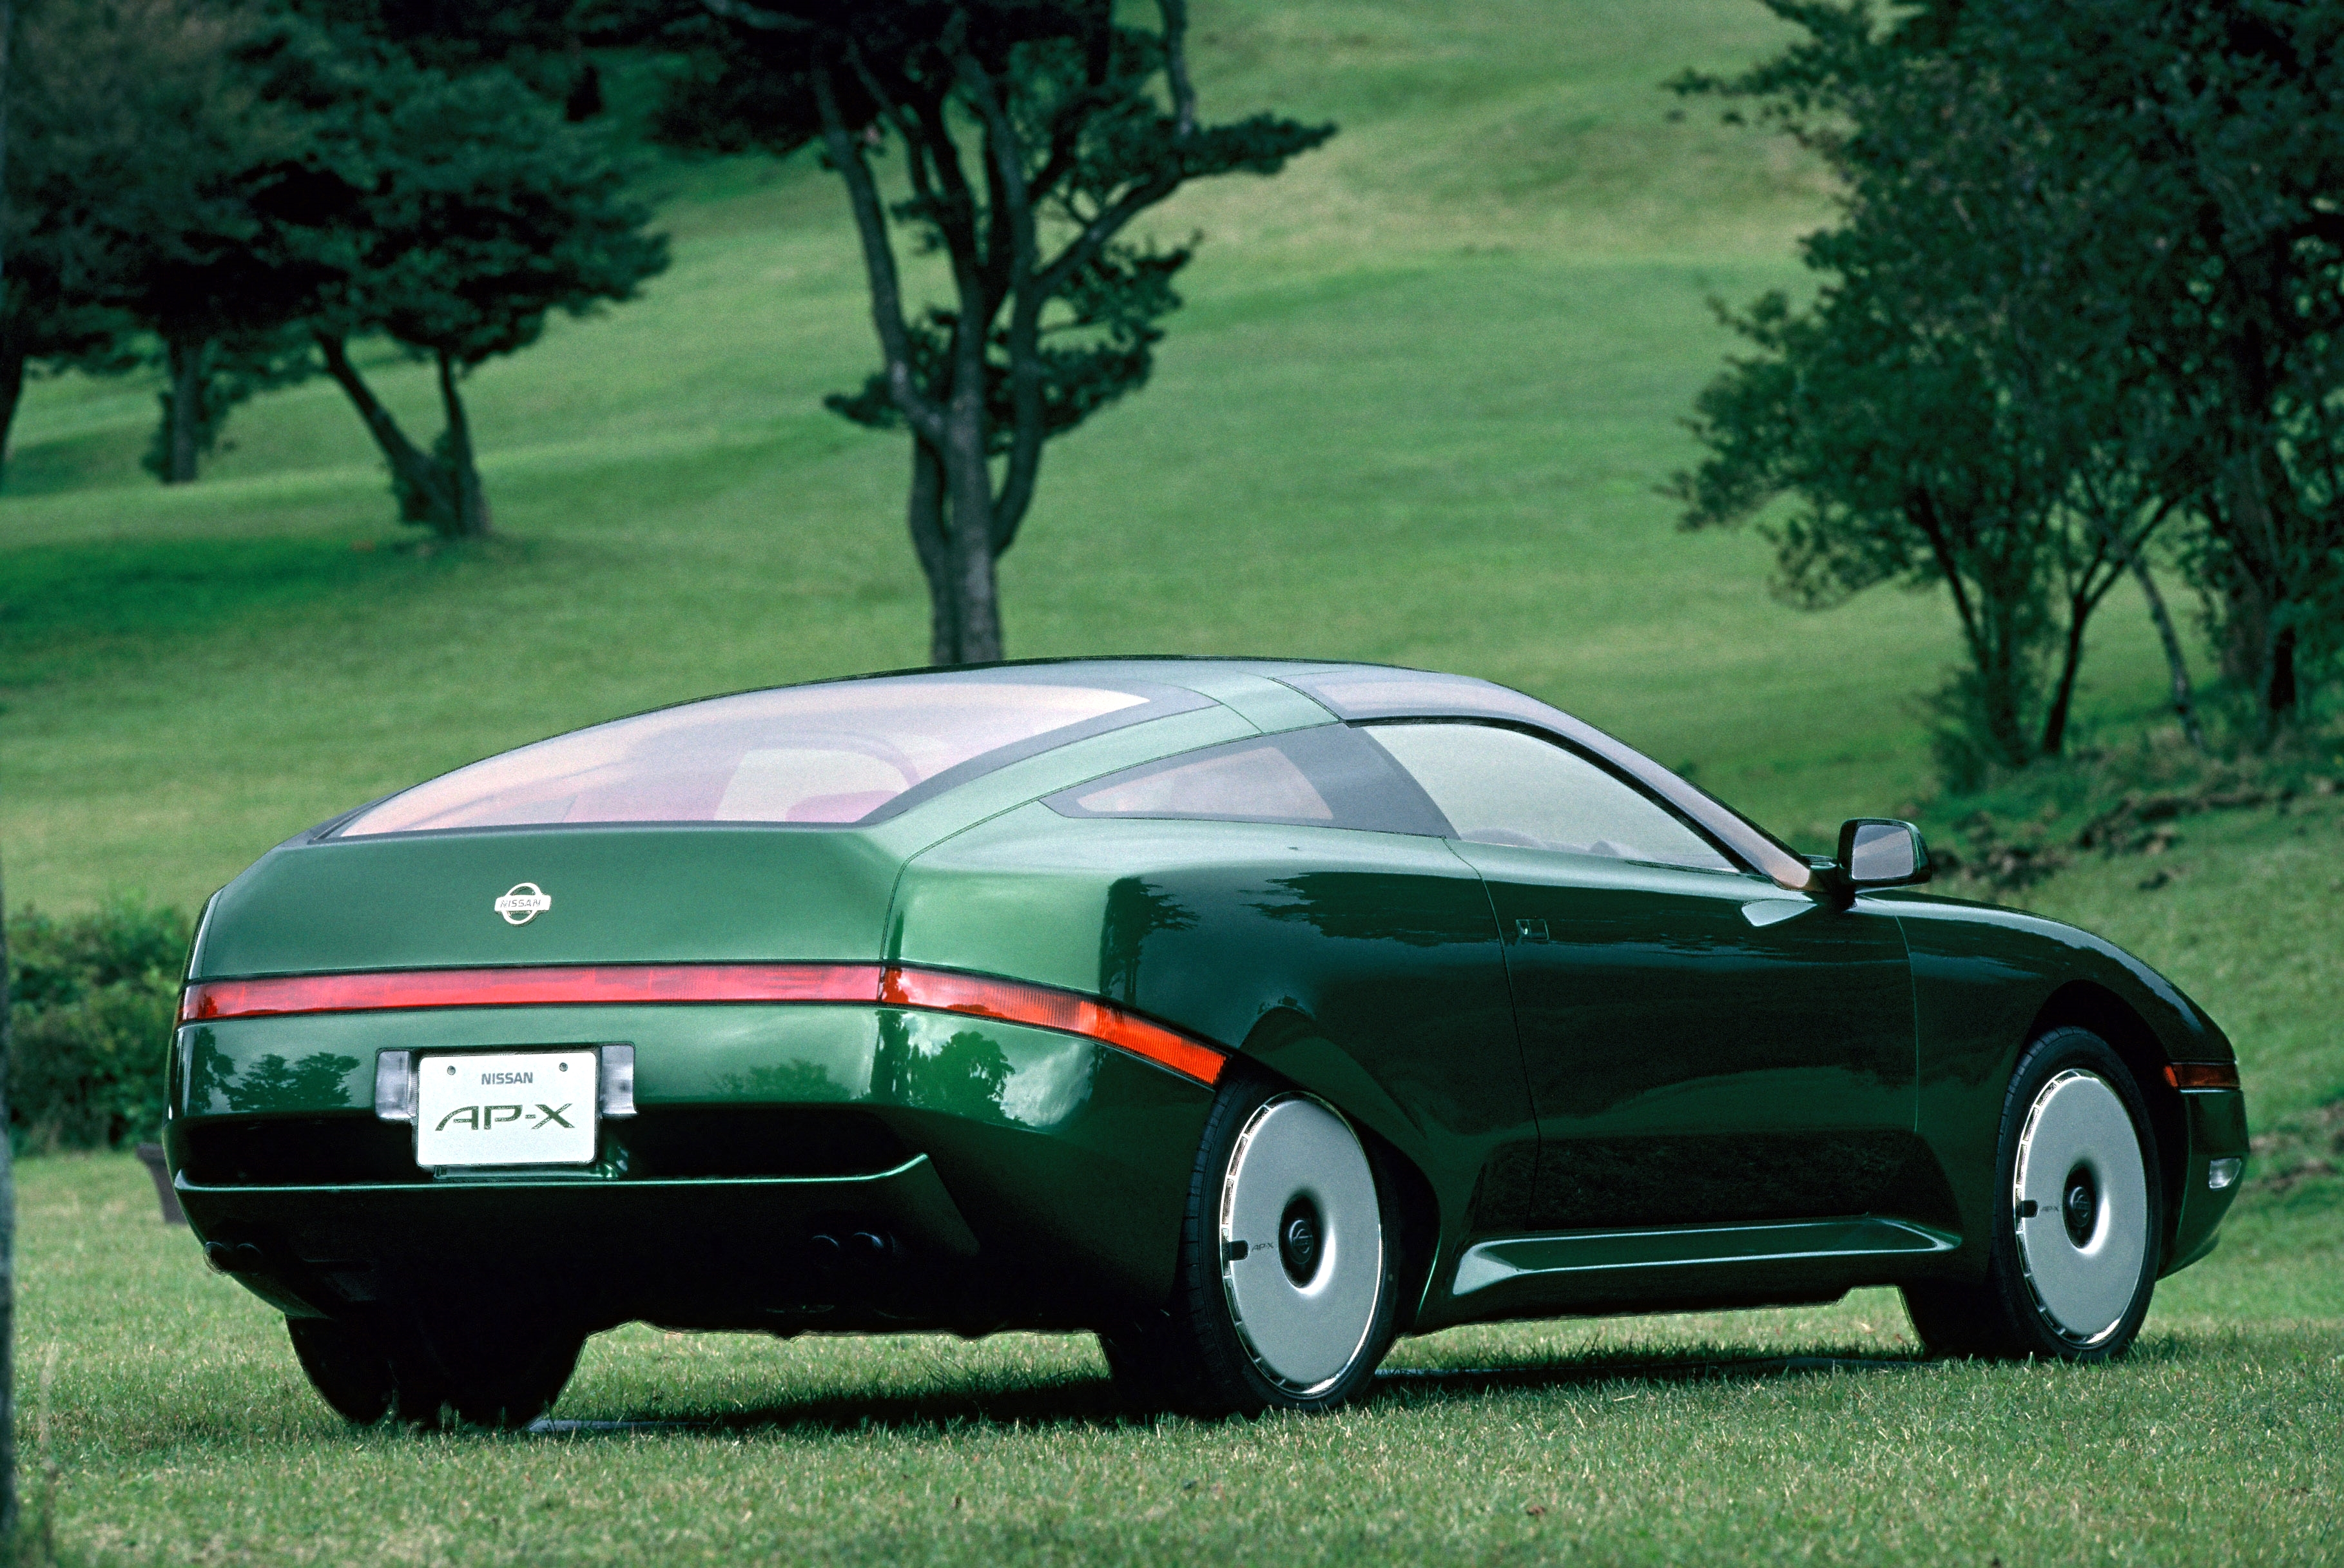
<point x="942" y="991"/>
<point x="2202" y="1075"/>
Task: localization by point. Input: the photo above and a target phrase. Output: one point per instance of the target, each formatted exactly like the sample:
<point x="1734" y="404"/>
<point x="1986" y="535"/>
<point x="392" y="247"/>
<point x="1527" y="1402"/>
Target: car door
<point x="1703" y="1048"/>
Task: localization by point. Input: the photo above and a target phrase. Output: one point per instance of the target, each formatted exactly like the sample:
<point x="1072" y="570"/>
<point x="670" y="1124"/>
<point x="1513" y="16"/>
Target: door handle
<point x="1530" y="931"/>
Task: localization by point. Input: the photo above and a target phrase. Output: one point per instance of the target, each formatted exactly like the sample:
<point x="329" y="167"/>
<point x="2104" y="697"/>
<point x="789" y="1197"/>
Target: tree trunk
<point x="931" y="542"/>
<point x="463" y="473"/>
<point x="12" y="379"/>
<point x="969" y="480"/>
<point x="2062" y="696"/>
<point x="2278" y="691"/>
<point x="186" y="422"/>
<point x="2256" y="633"/>
<point x="423" y="490"/>
<point x="2184" y="702"/>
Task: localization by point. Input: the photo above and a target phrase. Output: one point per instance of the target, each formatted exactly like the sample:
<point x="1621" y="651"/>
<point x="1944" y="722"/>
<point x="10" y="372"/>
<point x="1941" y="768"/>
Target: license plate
<point x="512" y="1107"/>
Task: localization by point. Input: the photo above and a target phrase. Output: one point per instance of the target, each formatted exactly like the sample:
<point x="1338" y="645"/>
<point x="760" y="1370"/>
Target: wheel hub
<point x="1297" y="1240"/>
<point x="2081" y="1209"/>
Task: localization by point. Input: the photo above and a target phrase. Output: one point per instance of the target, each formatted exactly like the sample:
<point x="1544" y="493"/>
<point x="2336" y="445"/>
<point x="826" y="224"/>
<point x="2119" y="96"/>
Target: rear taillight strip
<point x="947" y="991"/>
<point x="924" y="990"/>
<point x="394" y="989"/>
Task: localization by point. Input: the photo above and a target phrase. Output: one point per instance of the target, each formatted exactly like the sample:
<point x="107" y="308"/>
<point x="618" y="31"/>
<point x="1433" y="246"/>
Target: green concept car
<point x="1247" y="1012"/>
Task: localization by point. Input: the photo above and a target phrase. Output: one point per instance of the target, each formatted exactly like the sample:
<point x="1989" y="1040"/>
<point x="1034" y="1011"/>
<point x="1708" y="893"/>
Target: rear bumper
<point x="1011" y="1176"/>
<point x="677" y="1250"/>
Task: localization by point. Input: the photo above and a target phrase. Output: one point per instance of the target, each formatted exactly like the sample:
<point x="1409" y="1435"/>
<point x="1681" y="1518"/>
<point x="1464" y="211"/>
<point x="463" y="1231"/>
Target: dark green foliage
<point x="460" y="212"/>
<point x="2121" y="216"/>
<point x="1956" y="406"/>
<point x="533" y="39"/>
<point x="1033" y="132"/>
<point x="134" y="157"/>
<point x="93" y="997"/>
<point x="250" y="190"/>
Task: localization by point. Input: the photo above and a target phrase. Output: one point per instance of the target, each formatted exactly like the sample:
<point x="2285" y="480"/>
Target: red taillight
<point x="929" y="990"/>
<point x="941" y="991"/>
<point x="545" y="987"/>
<point x="2202" y="1075"/>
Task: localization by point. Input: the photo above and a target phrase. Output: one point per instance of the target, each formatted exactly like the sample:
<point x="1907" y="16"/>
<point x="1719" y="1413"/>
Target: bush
<point x="92" y="1002"/>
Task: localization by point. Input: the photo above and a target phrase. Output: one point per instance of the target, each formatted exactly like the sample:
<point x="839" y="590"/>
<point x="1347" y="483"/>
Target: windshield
<point x="840" y="752"/>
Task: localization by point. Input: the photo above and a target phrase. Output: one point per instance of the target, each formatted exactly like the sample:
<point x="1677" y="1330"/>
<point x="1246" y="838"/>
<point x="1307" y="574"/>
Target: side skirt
<point x="1567" y="1268"/>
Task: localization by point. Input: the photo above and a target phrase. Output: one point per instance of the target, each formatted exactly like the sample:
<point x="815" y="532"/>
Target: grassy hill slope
<point x="1415" y="410"/>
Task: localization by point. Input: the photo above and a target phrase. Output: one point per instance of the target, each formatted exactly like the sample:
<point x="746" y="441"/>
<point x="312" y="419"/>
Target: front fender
<point x="1987" y="983"/>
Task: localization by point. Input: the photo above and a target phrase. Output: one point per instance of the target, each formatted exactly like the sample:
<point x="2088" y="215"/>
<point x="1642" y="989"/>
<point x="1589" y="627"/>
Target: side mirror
<point x="1880" y="852"/>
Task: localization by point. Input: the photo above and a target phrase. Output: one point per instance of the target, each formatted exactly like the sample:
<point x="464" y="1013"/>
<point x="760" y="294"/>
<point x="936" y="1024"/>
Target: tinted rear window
<point x="842" y="752"/>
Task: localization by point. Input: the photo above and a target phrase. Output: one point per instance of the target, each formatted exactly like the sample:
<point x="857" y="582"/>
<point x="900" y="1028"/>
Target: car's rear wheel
<point x="416" y="1367"/>
<point x="1286" y="1289"/>
<point x="495" y="1369"/>
<point x="2079" y="1219"/>
<point x="349" y="1369"/>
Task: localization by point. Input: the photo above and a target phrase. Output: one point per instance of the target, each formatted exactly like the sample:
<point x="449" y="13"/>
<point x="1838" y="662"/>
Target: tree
<point x="50" y="312"/>
<point x="455" y="214"/>
<point x="128" y="148"/>
<point x="2233" y="119"/>
<point x="1956" y="406"/>
<point x="1032" y="134"/>
<point x="192" y="186"/>
<point x="2206" y="143"/>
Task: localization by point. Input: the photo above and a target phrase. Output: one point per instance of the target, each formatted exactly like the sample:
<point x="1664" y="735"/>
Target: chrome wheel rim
<point x="1302" y="1247"/>
<point x="2080" y="1194"/>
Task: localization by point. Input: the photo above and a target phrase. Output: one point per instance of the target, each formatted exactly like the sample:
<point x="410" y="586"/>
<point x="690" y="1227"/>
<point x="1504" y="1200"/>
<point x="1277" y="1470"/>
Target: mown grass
<point x="182" y="1433"/>
<point x="1415" y="410"/>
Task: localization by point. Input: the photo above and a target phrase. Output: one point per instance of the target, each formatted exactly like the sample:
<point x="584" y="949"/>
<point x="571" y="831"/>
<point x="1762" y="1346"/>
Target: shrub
<point x="92" y="1003"/>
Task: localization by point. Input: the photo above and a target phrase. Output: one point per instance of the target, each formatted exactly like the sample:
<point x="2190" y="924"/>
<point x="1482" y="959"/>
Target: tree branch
<point x="1013" y="215"/>
<point x="878" y="261"/>
<point x="1176" y="66"/>
<point x="757" y="17"/>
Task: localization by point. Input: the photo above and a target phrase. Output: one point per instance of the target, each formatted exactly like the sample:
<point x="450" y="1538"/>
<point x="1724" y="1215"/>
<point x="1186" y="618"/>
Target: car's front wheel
<point x="1286" y="1281"/>
<point x="2078" y="1217"/>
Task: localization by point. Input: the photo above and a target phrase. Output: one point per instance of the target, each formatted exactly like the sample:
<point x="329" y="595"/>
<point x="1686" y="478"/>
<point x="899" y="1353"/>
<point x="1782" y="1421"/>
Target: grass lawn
<point x="1416" y="409"/>
<point x="182" y="1432"/>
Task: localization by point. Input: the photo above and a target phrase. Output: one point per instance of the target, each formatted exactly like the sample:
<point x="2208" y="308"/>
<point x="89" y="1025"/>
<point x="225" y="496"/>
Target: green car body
<point x="1587" y="1085"/>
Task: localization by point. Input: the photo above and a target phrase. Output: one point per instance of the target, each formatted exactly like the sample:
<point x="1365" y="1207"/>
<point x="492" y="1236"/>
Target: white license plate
<point x="513" y="1108"/>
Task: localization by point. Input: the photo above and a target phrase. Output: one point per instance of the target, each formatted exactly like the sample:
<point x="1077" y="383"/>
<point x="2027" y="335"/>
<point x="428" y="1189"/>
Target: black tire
<point x="492" y="1373"/>
<point x="1322" y="1296"/>
<point x="2079" y="1219"/>
<point x="349" y="1369"/>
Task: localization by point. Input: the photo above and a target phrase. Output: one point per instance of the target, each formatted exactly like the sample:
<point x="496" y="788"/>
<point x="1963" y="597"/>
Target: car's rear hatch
<point x="662" y="894"/>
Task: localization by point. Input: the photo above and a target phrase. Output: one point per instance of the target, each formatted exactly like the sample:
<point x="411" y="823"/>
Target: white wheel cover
<point x="1301" y="1336"/>
<point x="2084" y="1290"/>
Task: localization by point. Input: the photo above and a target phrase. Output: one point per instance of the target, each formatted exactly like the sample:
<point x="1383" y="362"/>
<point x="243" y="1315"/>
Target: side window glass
<point x="1256" y="781"/>
<point x="1330" y="776"/>
<point x="1502" y="786"/>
